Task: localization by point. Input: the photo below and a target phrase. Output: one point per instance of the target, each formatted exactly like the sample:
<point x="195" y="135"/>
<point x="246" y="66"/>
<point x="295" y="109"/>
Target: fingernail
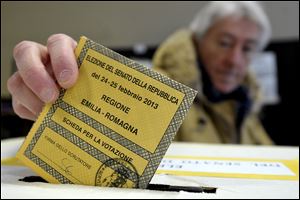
<point x="65" y="76"/>
<point x="47" y="95"/>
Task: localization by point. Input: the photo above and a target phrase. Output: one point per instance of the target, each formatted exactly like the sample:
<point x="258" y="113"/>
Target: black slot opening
<point x="158" y="187"/>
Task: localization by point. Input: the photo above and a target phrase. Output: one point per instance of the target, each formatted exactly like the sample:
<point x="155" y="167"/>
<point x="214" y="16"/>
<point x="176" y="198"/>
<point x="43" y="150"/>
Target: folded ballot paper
<point x="112" y="128"/>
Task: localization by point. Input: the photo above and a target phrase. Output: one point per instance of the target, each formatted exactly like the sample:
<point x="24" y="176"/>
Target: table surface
<point x="226" y="187"/>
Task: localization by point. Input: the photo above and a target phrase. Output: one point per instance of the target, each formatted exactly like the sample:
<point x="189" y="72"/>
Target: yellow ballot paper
<point x="112" y="128"/>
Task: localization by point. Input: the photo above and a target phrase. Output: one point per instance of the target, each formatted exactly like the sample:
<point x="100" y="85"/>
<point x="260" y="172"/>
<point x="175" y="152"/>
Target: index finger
<point x="61" y="50"/>
<point x="30" y="58"/>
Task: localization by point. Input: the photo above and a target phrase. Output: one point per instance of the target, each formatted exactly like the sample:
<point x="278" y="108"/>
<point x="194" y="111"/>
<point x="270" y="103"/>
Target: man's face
<point x="226" y="49"/>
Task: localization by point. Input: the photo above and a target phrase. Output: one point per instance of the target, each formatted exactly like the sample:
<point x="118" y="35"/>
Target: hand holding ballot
<point x="112" y="128"/>
<point x="42" y="70"/>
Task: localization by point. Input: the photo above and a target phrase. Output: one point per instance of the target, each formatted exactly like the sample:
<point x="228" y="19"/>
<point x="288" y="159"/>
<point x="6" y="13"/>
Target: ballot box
<point x="188" y="170"/>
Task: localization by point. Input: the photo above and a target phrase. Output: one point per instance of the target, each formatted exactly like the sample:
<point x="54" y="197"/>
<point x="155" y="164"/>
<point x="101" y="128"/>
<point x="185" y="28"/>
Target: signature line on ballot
<point x="64" y="167"/>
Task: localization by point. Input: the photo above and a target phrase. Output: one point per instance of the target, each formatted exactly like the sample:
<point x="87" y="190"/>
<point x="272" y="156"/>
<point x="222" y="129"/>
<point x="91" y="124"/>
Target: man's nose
<point x="234" y="57"/>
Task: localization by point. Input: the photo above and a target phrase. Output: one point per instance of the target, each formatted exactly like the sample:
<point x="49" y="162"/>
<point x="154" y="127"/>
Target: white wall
<point x="114" y="24"/>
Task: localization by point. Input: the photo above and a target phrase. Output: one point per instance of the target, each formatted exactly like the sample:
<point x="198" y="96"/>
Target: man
<point x="211" y="57"/>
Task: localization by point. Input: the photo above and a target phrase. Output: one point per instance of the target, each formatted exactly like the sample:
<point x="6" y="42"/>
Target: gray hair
<point x="252" y="10"/>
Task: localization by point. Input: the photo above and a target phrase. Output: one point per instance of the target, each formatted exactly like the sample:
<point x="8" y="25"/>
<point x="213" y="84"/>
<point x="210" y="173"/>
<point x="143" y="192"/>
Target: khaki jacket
<point x="207" y="122"/>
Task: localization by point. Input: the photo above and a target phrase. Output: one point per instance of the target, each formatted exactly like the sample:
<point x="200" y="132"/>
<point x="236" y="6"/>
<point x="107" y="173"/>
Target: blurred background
<point x="135" y="29"/>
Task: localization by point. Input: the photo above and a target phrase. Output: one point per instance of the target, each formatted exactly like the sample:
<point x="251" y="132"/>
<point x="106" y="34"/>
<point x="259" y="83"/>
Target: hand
<point x="42" y="70"/>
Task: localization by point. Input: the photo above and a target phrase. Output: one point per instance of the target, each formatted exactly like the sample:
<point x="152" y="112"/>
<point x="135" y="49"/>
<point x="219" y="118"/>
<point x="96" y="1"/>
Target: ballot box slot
<point x="31" y="179"/>
<point x="158" y="187"/>
<point x="175" y="188"/>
